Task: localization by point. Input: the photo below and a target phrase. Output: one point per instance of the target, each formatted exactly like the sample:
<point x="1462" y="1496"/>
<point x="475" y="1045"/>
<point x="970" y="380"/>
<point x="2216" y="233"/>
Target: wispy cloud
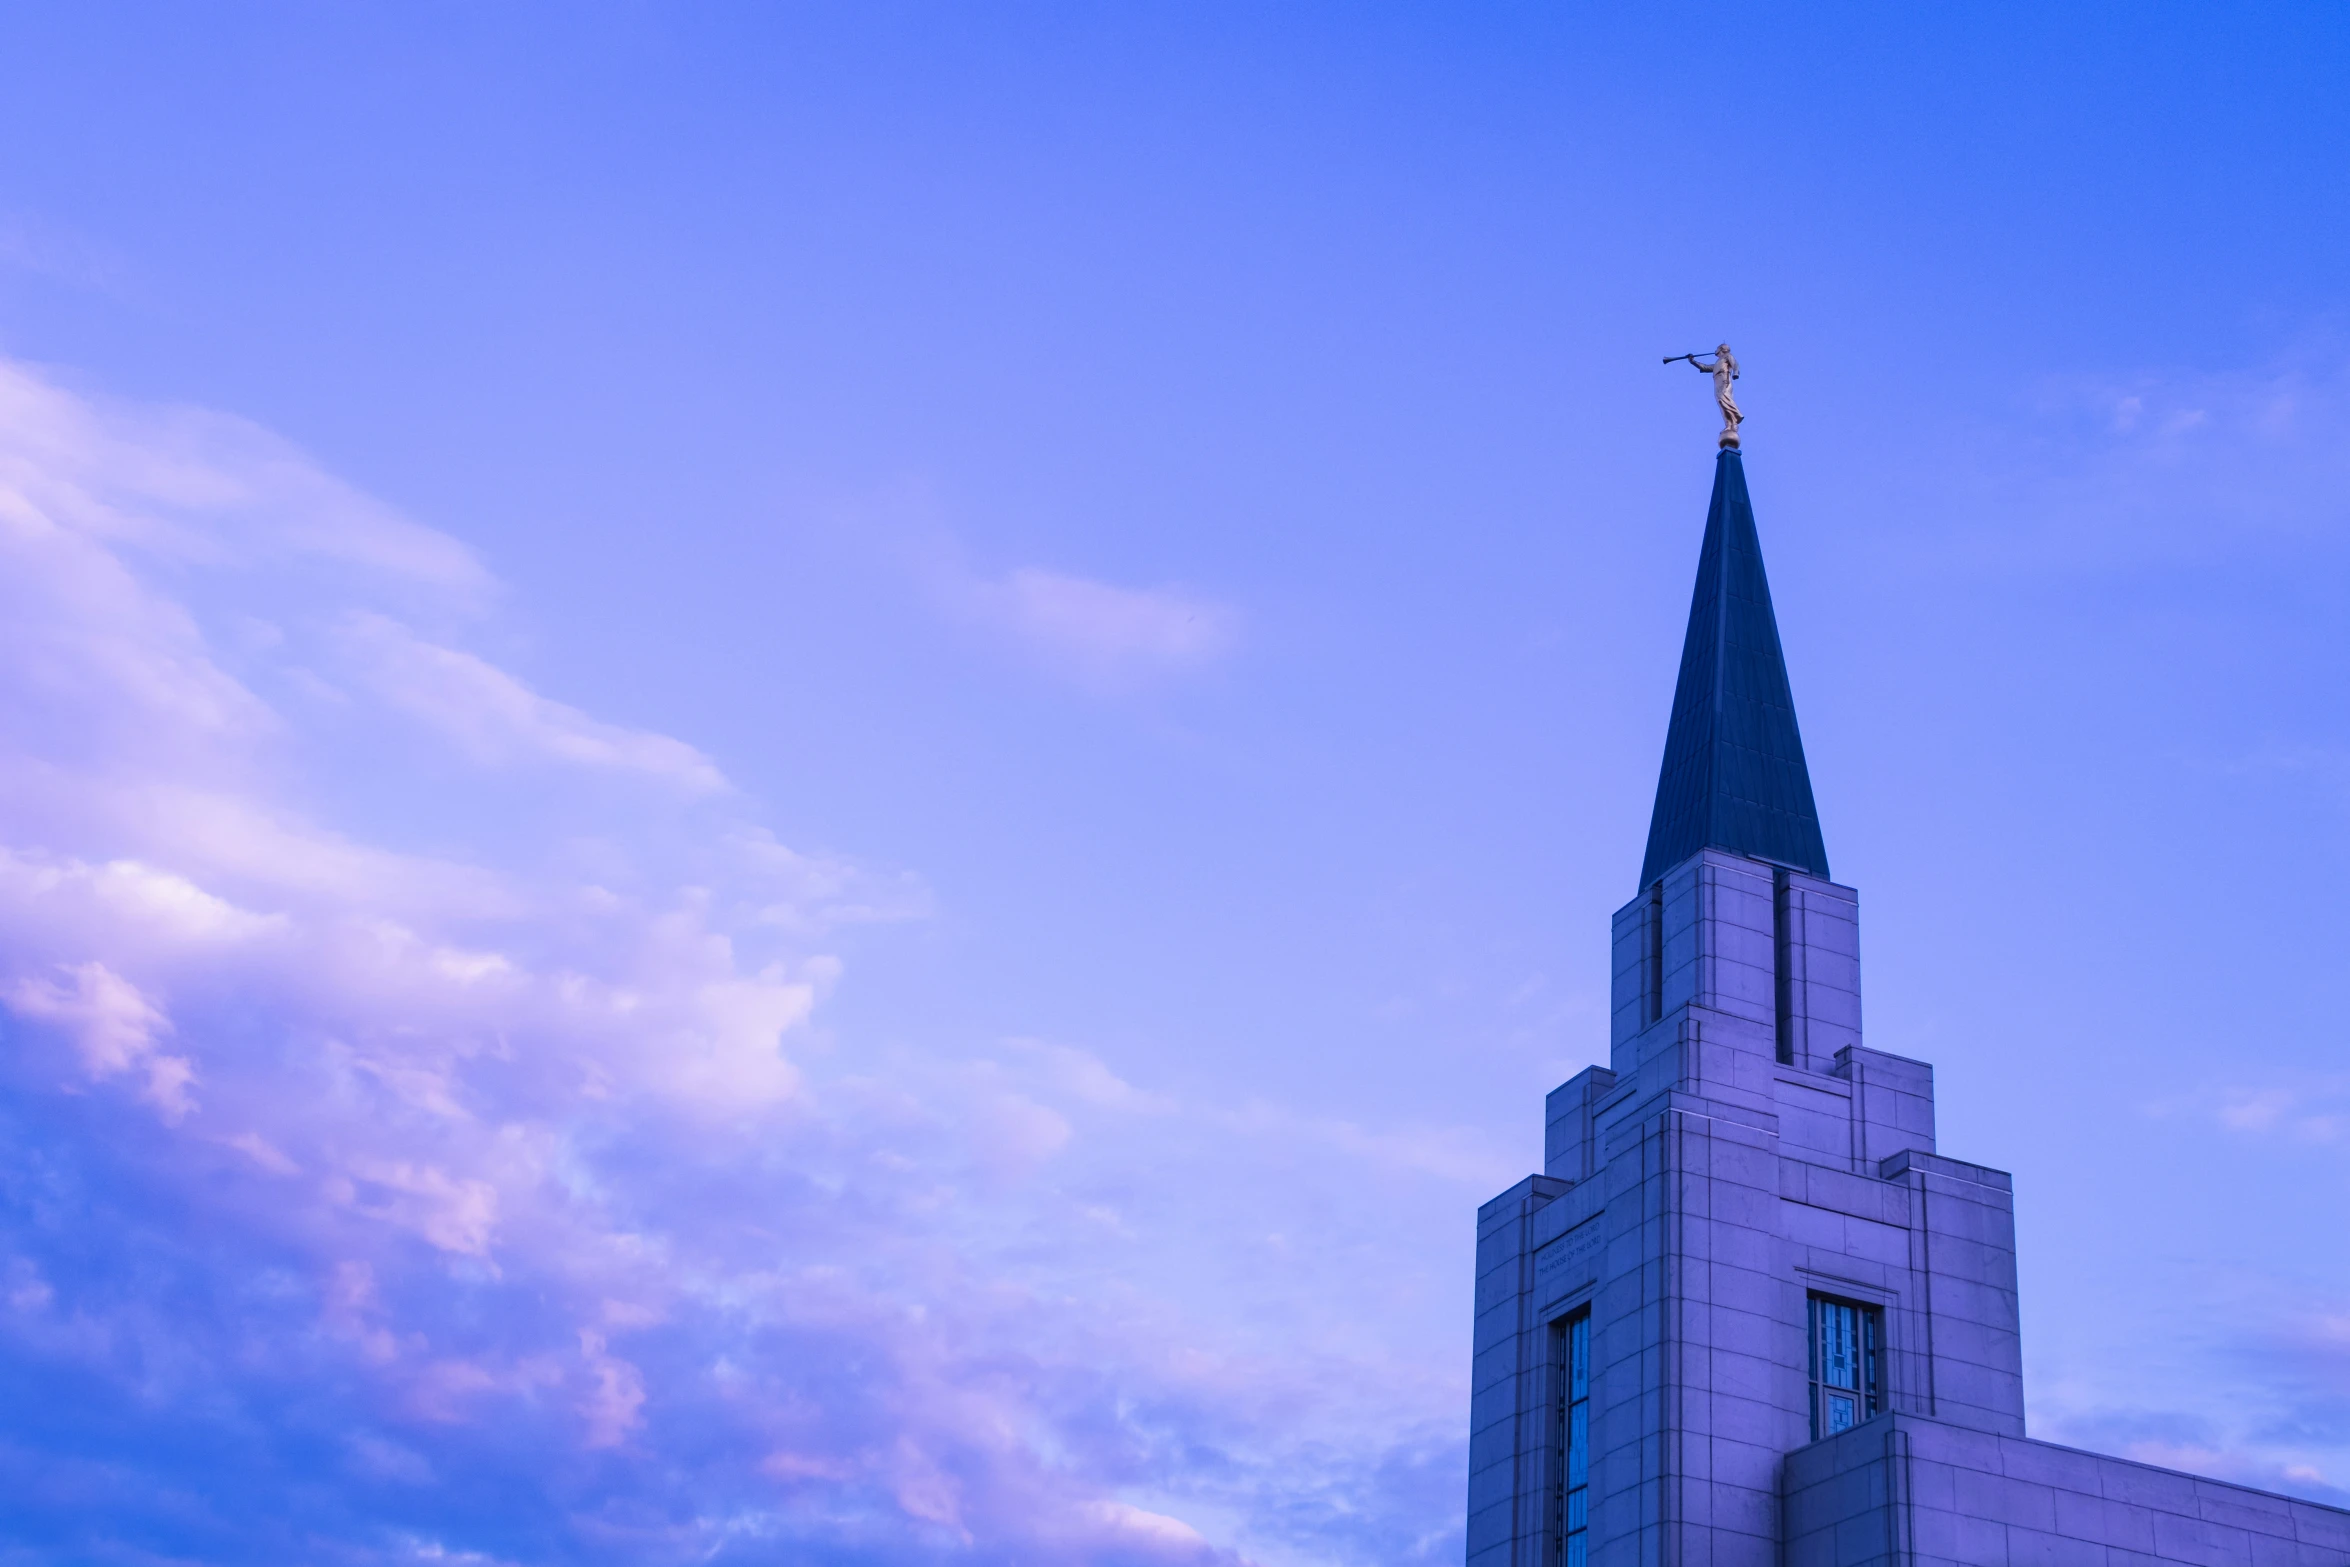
<point x="200" y="485"/>
<point x="116" y="1029"/>
<point x="2197" y="1445"/>
<point x="498" y="719"/>
<point x="2154" y="465"/>
<point x="2268" y="1400"/>
<point x="2309" y="1110"/>
<point x="1096" y="634"/>
<point x="32" y="243"/>
<point x="517" y="1204"/>
<point x="2316" y="1112"/>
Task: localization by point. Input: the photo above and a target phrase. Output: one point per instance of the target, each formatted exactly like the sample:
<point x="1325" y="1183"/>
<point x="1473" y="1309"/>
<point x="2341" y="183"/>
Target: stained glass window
<point x="1570" y="1494"/>
<point x="1846" y="1384"/>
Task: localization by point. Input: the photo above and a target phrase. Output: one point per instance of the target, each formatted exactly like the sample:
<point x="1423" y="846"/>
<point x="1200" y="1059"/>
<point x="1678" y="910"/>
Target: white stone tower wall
<point x="1695" y="1193"/>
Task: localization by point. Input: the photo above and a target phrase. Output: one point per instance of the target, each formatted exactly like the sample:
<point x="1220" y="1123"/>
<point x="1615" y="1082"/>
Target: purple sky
<point x="782" y="786"/>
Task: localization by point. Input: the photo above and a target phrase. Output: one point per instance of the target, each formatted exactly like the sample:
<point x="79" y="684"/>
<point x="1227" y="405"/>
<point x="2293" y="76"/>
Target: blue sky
<point x="823" y="785"/>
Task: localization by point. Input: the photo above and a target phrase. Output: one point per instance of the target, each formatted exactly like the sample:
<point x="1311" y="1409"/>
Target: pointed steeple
<point x="1733" y="776"/>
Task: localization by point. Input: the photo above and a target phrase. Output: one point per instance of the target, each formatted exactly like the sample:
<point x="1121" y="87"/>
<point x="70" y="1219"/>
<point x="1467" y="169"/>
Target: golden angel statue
<point x="1724" y="370"/>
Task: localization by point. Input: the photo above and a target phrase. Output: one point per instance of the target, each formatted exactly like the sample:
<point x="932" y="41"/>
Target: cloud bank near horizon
<point x="362" y="1201"/>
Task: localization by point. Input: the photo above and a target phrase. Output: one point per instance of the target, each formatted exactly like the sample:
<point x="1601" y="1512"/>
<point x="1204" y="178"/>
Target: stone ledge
<point x="1904" y="1488"/>
<point x="1894" y="1167"/>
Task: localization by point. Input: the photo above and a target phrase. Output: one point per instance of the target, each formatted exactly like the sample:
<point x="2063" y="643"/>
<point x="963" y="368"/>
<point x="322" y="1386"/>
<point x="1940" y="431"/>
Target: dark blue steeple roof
<point x="1733" y="776"/>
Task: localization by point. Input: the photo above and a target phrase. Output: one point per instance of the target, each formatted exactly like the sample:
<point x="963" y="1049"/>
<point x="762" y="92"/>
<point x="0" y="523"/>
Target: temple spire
<point x="1733" y="775"/>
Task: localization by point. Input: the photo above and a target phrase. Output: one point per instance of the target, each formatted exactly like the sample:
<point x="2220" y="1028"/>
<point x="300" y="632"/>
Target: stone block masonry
<point x="1907" y="1492"/>
<point x="1797" y="1316"/>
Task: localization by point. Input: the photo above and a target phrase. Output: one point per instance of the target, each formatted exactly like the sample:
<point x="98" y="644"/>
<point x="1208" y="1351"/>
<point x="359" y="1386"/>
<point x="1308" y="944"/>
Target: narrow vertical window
<point x="1655" y="957"/>
<point x="1846" y="1385"/>
<point x="1571" y="1441"/>
<point x="1782" y="977"/>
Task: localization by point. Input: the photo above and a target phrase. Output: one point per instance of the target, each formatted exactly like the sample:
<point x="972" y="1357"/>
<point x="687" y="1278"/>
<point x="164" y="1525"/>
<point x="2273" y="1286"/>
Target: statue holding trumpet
<point x="1724" y="370"/>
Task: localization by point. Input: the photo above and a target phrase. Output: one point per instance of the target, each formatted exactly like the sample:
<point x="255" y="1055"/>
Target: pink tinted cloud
<point x="494" y="1165"/>
<point x="117" y="1030"/>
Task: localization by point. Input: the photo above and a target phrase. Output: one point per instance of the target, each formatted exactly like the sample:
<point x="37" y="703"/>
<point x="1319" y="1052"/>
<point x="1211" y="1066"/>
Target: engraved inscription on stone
<point x="1569" y="1261"/>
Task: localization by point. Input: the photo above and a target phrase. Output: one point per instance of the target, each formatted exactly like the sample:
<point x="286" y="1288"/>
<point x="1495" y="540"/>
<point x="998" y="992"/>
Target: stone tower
<point x="1749" y="1315"/>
